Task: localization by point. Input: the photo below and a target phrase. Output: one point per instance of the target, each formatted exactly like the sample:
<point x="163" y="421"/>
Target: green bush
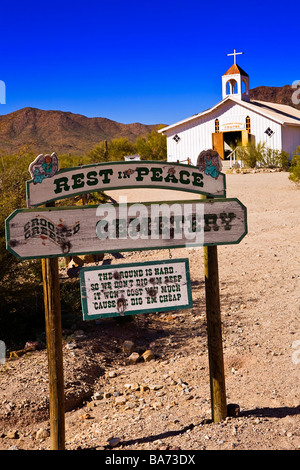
<point x="294" y="171"/>
<point x="271" y="158"/>
<point x="258" y="155"/>
<point x="111" y="151"/>
<point x="250" y="154"/>
<point x="152" y="148"/>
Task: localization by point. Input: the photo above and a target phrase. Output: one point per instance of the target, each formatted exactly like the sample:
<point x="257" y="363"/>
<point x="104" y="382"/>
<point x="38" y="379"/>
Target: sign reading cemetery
<point x="57" y="232"/>
<point x="119" y="175"/>
<point x="128" y="289"/>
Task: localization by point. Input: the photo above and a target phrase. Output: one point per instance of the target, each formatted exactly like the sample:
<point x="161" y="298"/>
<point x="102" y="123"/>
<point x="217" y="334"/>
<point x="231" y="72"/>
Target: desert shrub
<point x="272" y="158"/>
<point x="13" y="175"/>
<point x="21" y="307"/>
<point x="250" y="154"/>
<point x="258" y="155"/>
<point x="22" y="302"/>
<point x="70" y="161"/>
<point x="294" y="171"/>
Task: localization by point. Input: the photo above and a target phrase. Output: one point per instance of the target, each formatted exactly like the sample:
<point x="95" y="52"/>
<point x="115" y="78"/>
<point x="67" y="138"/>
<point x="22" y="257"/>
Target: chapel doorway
<point x="231" y="141"/>
<point x="225" y="142"/>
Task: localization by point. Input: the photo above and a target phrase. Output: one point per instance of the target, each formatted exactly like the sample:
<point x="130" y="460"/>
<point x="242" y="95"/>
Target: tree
<point x="152" y="148"/>
<point x="119" y="148"/>
<point x="112" y="151"/>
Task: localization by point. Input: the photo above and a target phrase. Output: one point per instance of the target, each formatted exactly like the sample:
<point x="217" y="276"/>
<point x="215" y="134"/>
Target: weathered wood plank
<point x="107" y="228"/>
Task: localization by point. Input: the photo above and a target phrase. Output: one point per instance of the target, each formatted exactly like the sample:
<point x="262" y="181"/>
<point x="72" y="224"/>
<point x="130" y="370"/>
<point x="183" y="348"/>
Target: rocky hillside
<point x="62" y="132"/>
<point x="283" y="95"/>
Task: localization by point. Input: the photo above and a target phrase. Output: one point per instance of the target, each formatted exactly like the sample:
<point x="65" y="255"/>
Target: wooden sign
<point x="129" y="289"/>
<point x="60" y="232"/>
<point x="53" y="232"/>
<point x="119" y="175"/>
<point x="232" y="126"/>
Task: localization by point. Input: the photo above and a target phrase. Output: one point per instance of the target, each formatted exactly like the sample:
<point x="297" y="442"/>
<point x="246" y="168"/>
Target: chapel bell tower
<point x="235" y="82"/>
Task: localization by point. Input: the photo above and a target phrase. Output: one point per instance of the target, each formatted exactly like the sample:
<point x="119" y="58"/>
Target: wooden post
<point x="54" y="351"/>
<point x="214" y="332"/>
<point x="214" y="335"/>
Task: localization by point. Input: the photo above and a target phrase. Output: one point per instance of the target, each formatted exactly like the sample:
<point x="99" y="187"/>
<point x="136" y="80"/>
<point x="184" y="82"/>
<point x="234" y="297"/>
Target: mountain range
<point x="74" y="134"/>
<point x="281" y="95"/>
<point x="62" y="132"/>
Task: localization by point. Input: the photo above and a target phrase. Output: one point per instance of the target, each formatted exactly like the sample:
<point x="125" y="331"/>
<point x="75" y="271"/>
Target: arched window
<point x="248" y="125"/>
<point x="217" y="126"/>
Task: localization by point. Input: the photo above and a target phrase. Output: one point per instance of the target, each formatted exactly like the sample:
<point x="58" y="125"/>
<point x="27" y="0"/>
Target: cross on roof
<point x="235" y="54"/>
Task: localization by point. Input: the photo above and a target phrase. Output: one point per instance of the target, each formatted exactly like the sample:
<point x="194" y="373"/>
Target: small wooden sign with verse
<point x="129" y="289"/>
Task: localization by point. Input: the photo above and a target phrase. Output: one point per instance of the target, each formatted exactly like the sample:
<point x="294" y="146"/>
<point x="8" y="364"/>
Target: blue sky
<point x="134" y="61"/>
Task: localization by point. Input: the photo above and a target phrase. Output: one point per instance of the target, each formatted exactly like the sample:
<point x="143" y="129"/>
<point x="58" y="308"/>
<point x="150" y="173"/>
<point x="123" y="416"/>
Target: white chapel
<point x="235" y="119"/>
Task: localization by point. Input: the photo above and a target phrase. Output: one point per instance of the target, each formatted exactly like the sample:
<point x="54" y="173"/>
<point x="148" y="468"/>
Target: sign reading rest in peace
<point x="119" y="175"/>
<point x="128" y="289"/>
<point x="57" y="232"/>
